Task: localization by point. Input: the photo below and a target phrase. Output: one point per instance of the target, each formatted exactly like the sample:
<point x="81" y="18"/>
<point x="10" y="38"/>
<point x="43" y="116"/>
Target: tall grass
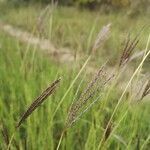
<point x="112" y="123"/>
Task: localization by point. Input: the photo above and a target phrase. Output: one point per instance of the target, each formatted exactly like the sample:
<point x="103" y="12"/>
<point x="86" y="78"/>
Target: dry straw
<point x="36" y="103"/>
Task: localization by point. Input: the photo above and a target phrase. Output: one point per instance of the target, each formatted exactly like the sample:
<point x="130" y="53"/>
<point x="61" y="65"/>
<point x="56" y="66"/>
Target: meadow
<point x="119" y="115"/>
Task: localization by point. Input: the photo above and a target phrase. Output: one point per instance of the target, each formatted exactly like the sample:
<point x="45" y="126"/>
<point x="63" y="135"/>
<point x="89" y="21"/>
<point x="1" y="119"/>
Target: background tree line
<point x="135" y="5"/>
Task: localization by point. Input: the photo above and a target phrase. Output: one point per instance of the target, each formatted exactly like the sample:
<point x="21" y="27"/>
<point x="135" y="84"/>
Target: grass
<point x="24" y="73"/>
<point x="77" y="29"/>
<point x="19" y="83"/>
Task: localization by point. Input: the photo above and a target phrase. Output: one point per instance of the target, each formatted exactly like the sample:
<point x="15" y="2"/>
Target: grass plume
<point x="101" y="37"/>
<point x="95" y="86"/>
<point x="128" y="49"/>
<point x="38" y="101"/>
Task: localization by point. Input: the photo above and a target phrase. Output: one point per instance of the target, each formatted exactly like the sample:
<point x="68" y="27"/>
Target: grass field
<point x="117" y="121"/>
<point x="77" y="29"/>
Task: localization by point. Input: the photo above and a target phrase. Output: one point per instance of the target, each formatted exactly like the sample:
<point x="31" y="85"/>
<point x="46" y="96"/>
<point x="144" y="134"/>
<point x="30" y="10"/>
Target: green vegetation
<point x="78" y="29"/>
<point x="25" y="72"/>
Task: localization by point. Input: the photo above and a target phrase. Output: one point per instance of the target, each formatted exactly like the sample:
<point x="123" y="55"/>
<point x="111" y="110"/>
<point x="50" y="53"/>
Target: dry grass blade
<point x="38" y="101"/>
<point x="94" y="87"/>
<point x="128" y="49"/>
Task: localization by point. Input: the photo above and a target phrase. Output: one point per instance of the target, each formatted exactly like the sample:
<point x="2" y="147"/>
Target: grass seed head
<point x="38" y="101"/>
<point x="94" y="87"/>
<point x="128" y="49"/>
<point x="101" y="37"/>
<point x="146" y="90"/>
